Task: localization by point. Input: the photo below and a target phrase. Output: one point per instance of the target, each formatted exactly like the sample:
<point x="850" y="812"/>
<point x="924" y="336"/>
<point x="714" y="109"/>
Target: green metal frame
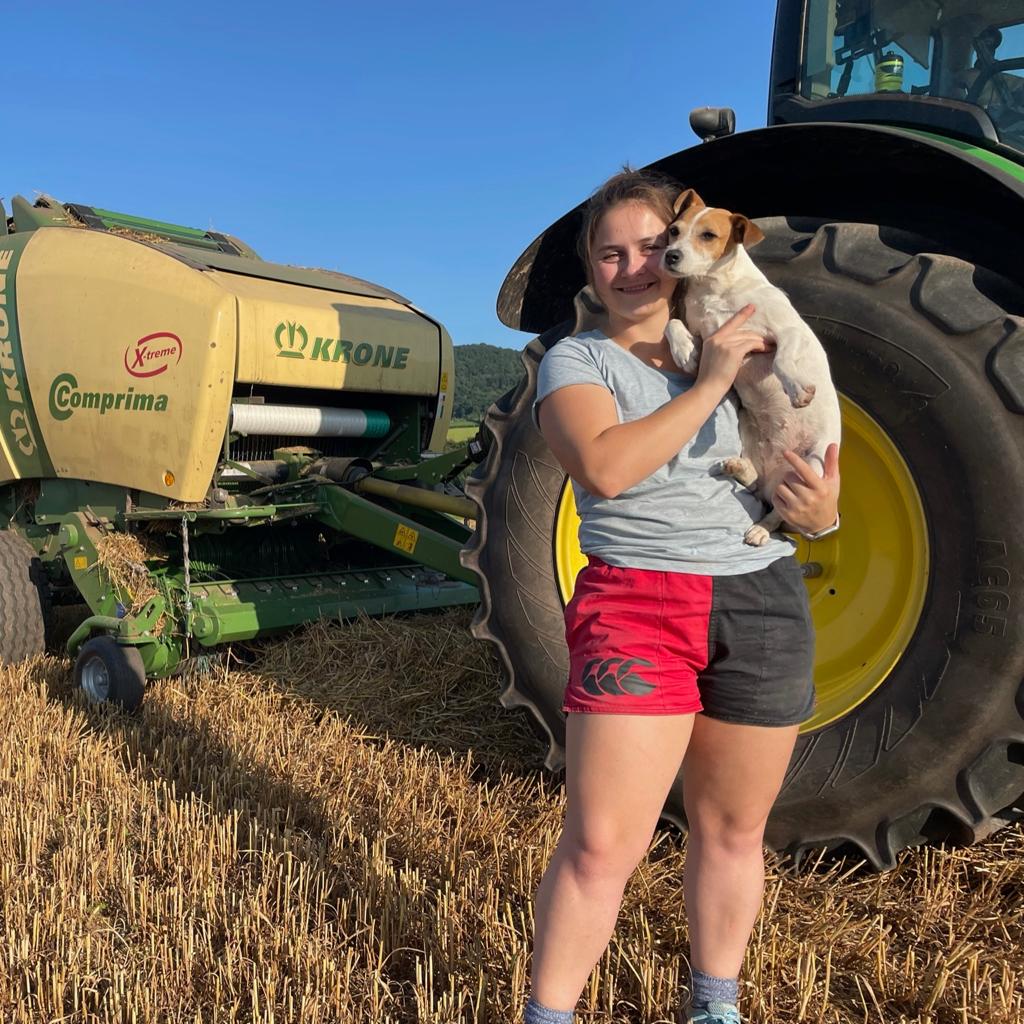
<point x="436" y="470"/>
<point x="398" y="534"/>
<point x="421" y="569"/>
<point x="229" y="610"/>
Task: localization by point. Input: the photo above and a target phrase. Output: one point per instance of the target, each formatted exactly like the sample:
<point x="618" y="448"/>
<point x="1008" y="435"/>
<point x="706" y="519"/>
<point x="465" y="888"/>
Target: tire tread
<point x="22" y="601"/>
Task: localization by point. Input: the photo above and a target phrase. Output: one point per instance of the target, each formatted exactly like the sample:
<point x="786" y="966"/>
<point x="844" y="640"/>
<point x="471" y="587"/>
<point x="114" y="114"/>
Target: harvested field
<point x="461" y="431"/>
<point x="349" y="828"/>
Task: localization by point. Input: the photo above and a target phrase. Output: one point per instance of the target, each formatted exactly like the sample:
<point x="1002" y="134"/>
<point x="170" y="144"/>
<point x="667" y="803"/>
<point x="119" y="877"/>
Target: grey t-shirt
<point x="681" y="518"/>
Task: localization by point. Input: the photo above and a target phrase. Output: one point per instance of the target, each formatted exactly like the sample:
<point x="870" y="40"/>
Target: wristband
<point x="822" y="533"/>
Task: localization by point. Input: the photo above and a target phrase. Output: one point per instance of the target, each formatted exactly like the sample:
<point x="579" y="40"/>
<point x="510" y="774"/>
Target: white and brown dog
<point x="788" y="401"/>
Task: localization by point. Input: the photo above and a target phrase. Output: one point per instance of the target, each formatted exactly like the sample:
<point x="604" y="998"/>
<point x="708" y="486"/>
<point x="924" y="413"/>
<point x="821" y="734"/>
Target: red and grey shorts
<point x="647" y="642"/>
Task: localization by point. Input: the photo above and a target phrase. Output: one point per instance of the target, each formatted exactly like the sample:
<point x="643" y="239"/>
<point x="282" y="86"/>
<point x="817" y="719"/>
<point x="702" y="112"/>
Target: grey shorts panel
<point x="761" y="648"/>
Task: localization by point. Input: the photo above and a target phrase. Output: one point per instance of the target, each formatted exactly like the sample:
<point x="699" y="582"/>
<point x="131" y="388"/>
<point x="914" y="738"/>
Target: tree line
<point x="483" y="373"/>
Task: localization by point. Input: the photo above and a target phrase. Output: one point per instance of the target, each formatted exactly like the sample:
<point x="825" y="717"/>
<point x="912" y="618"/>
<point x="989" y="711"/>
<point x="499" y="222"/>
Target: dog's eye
<point x="708" y="236"/>
<point x="673" y="232"/>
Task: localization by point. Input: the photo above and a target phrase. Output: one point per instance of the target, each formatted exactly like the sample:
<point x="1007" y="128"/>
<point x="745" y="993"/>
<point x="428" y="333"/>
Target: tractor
<point x="889" y="184"/>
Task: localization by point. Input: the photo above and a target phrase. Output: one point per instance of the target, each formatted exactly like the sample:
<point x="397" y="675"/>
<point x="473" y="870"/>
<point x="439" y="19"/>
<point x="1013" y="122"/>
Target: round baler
<point x="893" y="220"/>
<point x="206" y="447"/>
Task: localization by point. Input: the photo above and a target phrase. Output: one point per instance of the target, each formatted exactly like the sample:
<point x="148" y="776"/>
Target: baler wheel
<point x="109" y="672"/>
<point x="24" y="600"/>
<point x="919" y="601"/>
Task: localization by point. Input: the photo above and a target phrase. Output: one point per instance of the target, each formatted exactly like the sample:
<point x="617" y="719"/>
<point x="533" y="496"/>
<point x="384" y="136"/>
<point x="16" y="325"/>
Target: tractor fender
<point x="963" y="201"/>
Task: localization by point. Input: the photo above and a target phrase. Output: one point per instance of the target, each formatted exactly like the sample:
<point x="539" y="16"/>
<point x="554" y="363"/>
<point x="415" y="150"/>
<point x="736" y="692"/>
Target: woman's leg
<point x="618" y="772"/>
<point x="732" y="775"/>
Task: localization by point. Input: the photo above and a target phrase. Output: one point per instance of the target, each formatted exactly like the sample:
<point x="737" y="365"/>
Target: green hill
<point x="482" y="374"/>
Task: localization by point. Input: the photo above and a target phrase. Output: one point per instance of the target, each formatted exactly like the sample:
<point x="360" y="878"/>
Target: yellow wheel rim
<point x="867" y="600"/>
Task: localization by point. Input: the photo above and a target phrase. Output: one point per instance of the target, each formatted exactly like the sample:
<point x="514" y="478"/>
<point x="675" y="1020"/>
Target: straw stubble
<point x="350" y="828"/>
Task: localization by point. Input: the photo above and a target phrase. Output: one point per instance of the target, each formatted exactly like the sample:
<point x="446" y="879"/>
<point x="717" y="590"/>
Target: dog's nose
<point x="672" y="257"/>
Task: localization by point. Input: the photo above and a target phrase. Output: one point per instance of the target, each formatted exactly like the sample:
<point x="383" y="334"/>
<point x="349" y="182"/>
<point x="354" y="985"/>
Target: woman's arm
<point x="580" y="424"/>
<point x="581" y="427"/>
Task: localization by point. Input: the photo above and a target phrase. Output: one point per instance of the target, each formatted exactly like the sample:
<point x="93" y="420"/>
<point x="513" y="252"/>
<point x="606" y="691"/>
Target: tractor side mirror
<point x="713" y="122"/>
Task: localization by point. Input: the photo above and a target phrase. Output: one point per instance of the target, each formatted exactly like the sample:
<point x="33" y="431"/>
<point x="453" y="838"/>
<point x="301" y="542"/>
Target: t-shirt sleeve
<point x="566" y="363"/>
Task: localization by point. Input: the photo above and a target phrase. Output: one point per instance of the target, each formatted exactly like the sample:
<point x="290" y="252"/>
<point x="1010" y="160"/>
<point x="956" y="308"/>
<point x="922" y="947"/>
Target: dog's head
<point x="702" y="235"/>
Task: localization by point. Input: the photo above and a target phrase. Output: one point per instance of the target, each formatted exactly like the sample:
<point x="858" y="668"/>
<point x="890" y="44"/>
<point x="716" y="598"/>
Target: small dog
<point x="788" y="401"/>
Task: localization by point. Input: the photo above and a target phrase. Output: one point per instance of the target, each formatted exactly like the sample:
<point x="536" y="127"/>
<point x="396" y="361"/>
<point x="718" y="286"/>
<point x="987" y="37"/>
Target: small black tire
<point x="24" y="600"/>
<point x="110" y="673"/>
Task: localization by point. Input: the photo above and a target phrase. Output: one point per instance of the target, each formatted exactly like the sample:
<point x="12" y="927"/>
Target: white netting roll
<point x="306" y="421"/>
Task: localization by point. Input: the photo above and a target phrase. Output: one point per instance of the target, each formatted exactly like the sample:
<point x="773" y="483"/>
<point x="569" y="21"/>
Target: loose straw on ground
<point x="351" y="829"/>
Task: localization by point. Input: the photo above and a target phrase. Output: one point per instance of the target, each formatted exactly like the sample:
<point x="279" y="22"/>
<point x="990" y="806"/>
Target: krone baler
<point x="205" y="447"/>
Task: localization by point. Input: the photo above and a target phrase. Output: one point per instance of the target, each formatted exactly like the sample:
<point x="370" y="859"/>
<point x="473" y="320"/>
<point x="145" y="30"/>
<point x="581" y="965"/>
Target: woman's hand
<point x="723" y="352"/>
<point x="809" y="502"/>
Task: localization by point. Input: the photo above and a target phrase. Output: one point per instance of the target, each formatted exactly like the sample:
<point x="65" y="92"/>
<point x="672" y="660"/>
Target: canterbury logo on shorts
<point x="615" y="677"/>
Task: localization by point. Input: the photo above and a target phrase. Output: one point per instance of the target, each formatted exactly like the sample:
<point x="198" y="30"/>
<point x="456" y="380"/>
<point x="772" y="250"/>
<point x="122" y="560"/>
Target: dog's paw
<point x="678" y="334"/>
<point x="736" y="466"/>
<point x="739" y="468"/>
<point x="800" y="395"/>
<point x="682" y="346"/>
<point x="799" y="390"/>
<point x="691" y="364"/>
<point x="757" y="536"/>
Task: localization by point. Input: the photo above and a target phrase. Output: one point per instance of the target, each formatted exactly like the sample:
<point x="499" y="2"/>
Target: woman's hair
<point x="648" y="187"/>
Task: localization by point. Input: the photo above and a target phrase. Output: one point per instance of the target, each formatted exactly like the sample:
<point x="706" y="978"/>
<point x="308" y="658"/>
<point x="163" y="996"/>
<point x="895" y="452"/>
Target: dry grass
<point x="350" y="829"/>
<point x="121" y="557"/>
<point x="136" y="235"/>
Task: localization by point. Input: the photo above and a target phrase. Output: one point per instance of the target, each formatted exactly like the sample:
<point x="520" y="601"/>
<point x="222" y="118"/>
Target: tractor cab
<point x="955" y="67"/>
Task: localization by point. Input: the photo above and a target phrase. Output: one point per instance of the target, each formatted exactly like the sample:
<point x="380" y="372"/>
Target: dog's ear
<point x="687" y="200"/>
<point x="590" y="313"/>
<point x="745" y="232"/>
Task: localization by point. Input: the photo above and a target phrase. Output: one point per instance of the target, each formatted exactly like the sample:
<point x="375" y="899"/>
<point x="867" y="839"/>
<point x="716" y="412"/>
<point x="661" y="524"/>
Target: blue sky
<point x="419" y="145"/>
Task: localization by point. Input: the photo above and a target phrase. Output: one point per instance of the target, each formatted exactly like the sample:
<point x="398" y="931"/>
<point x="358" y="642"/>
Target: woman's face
<point x="625" y="262"/>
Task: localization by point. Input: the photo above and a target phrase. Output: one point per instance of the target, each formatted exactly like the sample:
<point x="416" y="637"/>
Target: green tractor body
<point x="890" y="189"/>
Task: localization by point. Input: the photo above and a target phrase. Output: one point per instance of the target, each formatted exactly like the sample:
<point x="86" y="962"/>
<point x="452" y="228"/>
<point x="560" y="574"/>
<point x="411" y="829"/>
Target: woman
<point x="682" y="639"/>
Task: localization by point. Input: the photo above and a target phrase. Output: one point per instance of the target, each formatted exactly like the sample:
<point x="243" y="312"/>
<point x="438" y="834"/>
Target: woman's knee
<point x="728" y="834"/>
<point x="605" y="856"/>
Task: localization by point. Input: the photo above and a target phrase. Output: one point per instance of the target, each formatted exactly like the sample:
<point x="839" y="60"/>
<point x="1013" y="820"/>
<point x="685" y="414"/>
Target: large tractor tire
<point x="918" y="600"/>
<point x="24" y="600"/>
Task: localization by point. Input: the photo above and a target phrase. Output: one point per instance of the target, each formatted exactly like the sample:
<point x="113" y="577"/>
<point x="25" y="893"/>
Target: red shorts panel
<point x="637" y="638"/>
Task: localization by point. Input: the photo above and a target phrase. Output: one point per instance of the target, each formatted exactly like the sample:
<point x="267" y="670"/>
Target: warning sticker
<point x="405" y="538"/>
